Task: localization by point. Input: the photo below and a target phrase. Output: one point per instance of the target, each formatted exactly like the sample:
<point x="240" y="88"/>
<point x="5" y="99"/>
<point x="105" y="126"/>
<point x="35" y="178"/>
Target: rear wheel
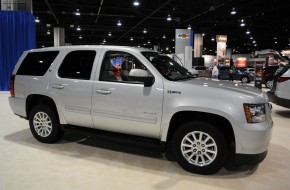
<point x="245" y="79"/>
<point x="199" y="147"/>
<point x="44" y="124"/>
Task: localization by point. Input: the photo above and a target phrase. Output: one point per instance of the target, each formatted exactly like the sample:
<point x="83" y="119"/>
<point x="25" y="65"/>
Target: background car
<point x="239" y="74"/>
<point x="280" y="93"/>
<point x="250" y="69"/>
<point x="203" y="71"/>
<point x="268" y="75"/>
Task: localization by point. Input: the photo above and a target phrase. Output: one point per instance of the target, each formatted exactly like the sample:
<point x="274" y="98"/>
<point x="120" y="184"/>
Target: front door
<point x="123" y="105"/>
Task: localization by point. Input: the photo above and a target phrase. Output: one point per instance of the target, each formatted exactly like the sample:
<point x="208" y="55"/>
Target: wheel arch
<point x="222" y="123"/>
<point x="37" y="99"/>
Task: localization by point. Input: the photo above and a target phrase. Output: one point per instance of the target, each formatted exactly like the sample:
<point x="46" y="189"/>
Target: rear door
<point x="71" y="86"/>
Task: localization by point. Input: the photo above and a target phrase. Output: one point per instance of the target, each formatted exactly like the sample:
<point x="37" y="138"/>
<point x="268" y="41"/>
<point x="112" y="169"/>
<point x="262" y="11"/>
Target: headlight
<point x="255" y="113"/>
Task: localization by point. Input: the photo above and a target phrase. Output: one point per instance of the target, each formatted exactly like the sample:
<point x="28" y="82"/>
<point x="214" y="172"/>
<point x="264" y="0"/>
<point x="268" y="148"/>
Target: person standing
<point x="215" y="72"/>
<point x="231" y="74"/>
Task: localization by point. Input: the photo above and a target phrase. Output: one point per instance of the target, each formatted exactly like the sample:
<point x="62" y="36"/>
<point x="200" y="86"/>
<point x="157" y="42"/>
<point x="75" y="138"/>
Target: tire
<point x="205" y="156"/>
<point x="44" y="124"/>
<point x="245" y="79"/>
<point x="269" y="83"/>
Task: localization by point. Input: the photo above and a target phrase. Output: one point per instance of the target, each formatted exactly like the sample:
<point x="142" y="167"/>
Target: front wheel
<point x="199" y="147"/>
<point x="44" y="124"/>
<point x="269" y="83"/>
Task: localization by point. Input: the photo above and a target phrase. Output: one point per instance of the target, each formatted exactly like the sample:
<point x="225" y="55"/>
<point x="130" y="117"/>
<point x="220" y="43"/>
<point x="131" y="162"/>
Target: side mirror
<point x="142" y="76"/>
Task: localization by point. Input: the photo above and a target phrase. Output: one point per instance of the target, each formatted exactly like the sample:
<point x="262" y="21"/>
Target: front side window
<point x="117" y="65"/>
<point x="37" y="63"/>
<point x="77" y="65"/>
<point x="169" y="69"/>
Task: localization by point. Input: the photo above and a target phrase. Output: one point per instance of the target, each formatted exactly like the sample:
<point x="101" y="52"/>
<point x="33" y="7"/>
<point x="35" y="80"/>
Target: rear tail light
<point x="12" y="80"/>
<point x="282" y="79"/>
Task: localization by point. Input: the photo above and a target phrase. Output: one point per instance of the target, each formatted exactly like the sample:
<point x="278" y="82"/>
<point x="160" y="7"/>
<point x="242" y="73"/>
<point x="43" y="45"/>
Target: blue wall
<point x="17" y="34"/>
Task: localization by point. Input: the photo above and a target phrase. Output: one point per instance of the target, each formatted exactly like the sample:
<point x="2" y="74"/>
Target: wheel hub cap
<point x="199" y="148"/>
<point x="42" y="124"/>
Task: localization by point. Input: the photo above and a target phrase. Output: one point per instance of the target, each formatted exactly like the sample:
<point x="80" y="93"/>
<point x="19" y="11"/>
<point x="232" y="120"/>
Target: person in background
<point x="231" y="74"/>
<point x="215" y="72"/>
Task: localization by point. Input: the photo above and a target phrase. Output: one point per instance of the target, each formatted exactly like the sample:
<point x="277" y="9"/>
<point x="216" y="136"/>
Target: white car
<point x="205" y="123"/>
<point x="280" y="93"/>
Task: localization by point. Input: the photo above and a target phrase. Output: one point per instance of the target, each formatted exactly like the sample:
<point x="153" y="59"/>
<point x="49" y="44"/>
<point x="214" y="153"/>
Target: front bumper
<point x="249" y="159"/>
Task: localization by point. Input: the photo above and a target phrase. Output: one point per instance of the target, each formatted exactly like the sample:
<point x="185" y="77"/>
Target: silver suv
<point x="205" y="123"/>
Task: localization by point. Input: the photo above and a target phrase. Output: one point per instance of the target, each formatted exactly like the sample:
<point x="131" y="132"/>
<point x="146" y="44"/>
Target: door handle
<point x="103" y="91"/>
<point x="57" y="86"/>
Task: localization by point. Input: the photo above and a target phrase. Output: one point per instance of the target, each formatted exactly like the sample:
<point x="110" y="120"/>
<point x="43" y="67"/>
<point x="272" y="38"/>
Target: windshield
<point x="170" y="69"/>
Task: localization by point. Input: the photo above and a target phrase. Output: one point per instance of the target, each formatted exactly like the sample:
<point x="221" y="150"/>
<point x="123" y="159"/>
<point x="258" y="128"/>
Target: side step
<point x="118" y="137"/>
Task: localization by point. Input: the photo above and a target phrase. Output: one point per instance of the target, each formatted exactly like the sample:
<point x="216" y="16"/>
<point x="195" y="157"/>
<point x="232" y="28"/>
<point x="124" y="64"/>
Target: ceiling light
<point x="71" y="26"/>
<point x="255" y="45"/>
<point x="48" y="32"/>
<point x="233" y="11"/>
<point x="80" y="37"/>
<point x="167" y="48"/>
<point x="110" y="34"/>
<point x="144" y="31"/>
<point x="37" y="20"/>
<point x="104" y="41"/>
<point x="48" y="25"/>
<point x="173" y="39"/>
<point x="251" y="38"/>
<point x="131" y="39"/>
<point x="164" y="36"/>
<point x="77" y="13"/>
<point x="275" y="38"/>
<point x="169" y="18"/>
<point x="43" y="46"/>
<point x="203" y="34"/>
<point x="148" y="42"/>
<point x="254" y="42"/>
<point x="189" y="27"/>
<point x="276" y="42"/>
<point x="119" y="23"/>
<point x="136" y="3"/>
<point x="212" y="39"/>
<point x="242" y="23"/>
<point x="78" y="28"/>
<point x="248" y="31"/>
<point x="139" y="46"/>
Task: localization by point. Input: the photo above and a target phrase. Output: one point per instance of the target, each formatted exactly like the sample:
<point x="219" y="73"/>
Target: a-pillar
<point x="59" y="36"/>
<point x="198" y="45"/>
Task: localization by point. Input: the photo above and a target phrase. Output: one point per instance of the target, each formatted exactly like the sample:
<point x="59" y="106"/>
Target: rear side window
<point x="37" y="63"/>
<point x="77" y="65"/>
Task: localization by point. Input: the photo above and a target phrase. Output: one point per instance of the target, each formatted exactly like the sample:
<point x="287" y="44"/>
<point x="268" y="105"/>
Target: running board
<point x="131" y="139"/>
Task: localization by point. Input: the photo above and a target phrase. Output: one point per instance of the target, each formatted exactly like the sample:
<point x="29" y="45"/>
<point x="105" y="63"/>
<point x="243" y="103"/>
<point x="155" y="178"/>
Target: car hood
<point x="229" y="86"/>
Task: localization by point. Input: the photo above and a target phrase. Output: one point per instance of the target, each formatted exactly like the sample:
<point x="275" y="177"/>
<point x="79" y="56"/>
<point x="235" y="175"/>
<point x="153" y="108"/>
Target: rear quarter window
<point x="37" y="63"/>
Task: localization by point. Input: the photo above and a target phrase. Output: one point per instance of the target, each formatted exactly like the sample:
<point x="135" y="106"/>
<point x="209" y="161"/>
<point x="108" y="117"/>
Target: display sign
<point x="221" y="38"/>
<point x="259" y="73"/>
<point x="221" y="46"/>
<point x="183" y="36"/>
<point x="241" y="62"/>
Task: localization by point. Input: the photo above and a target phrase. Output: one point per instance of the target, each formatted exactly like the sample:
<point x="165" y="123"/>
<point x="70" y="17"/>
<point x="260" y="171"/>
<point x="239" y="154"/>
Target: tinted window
<point x="77" y="65"/>
<point x="37" y="63"/>
<point x="117" y="65"/>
